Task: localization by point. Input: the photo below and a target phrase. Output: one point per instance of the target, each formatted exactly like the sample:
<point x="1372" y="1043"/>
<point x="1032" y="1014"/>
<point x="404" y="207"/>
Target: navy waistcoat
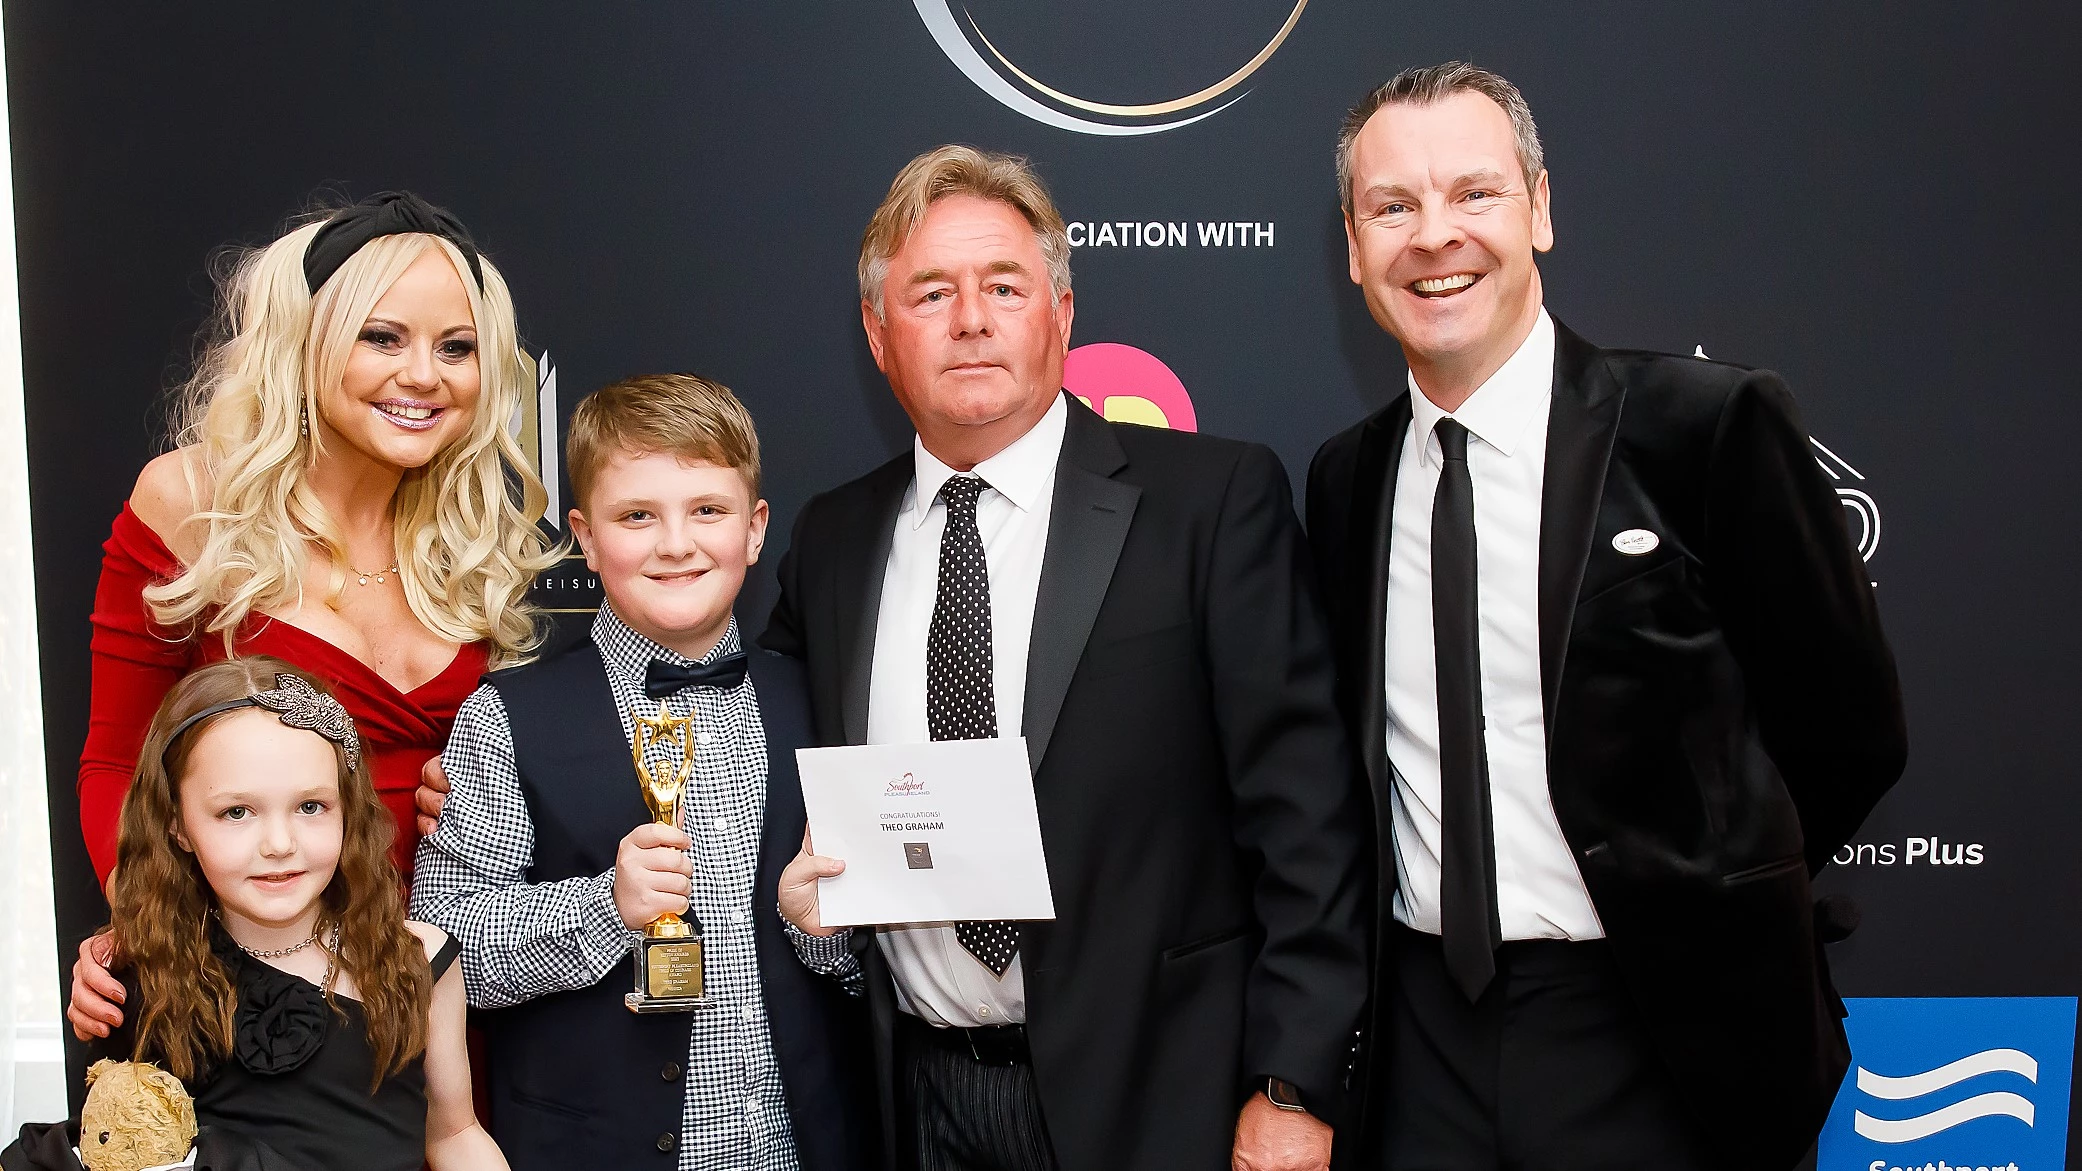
<point x="576" y="1079"/>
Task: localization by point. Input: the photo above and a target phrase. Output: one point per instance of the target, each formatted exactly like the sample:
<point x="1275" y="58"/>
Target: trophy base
<point x="668" y="976"/>
<point x="638" y="1002"/>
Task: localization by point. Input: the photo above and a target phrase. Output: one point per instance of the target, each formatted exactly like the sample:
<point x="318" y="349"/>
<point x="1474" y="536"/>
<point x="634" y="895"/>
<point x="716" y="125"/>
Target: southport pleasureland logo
<point x="972" y="51"/>
<point x="1954" y="1084"/>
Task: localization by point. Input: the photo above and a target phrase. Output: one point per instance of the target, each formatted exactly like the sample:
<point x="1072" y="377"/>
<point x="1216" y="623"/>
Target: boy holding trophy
<point x="618" y="816"/>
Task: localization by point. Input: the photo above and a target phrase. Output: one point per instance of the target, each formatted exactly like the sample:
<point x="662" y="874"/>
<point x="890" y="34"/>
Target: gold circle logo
<point x="966" y="45"/>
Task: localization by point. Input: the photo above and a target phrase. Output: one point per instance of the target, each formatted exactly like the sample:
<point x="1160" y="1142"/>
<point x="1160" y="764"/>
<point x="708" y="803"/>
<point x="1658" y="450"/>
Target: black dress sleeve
<point x="445" y="958"/>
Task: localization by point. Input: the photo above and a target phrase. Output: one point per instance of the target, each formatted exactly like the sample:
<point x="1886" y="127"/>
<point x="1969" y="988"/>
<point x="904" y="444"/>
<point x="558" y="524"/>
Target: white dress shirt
<point x="1540" y="893"/>
<point x="936" y="978"/>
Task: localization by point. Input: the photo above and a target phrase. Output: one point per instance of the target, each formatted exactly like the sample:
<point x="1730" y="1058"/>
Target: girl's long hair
<point x="467" y="550"/>
<point x="161" y="902"/>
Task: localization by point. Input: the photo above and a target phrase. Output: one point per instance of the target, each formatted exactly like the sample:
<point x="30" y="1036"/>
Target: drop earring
<point x="303" y="422"/>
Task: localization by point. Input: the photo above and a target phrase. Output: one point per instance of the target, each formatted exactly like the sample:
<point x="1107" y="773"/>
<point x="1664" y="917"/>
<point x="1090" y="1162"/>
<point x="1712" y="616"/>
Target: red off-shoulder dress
<point x="136" y="662"/>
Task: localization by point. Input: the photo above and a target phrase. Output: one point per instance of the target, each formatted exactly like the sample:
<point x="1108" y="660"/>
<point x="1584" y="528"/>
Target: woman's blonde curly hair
<point x="468" y="547"/>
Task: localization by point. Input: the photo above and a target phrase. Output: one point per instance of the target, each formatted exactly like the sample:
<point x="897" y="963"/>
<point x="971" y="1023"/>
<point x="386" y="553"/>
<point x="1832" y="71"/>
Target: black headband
<point x="298" y="705"/>
<point x="388" y="213"/>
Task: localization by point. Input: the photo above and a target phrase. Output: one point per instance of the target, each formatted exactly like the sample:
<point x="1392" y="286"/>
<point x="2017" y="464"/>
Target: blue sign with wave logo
<point x="1961" y="1083"/>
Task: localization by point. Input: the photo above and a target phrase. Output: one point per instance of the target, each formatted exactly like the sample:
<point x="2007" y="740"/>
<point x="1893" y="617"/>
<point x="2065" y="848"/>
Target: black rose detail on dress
<point x="281" y="1022"/>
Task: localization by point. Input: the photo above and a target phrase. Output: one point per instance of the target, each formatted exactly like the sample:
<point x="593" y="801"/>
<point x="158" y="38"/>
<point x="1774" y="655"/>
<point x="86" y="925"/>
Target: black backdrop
<point x="1874" y="199"/>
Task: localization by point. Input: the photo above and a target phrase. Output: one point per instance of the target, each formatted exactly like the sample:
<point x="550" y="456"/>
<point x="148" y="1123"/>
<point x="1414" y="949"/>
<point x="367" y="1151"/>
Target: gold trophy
<point x="668" y="954"/>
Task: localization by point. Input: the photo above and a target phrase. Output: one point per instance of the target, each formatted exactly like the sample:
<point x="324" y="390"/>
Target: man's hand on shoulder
<point x="1271" y="1139"/>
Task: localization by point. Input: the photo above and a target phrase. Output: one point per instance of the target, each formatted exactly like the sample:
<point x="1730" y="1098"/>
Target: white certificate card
<point x="930" y="833"/>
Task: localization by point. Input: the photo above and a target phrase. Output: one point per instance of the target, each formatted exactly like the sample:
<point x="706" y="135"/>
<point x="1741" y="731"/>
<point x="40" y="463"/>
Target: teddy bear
<point x="136" y="1116"/>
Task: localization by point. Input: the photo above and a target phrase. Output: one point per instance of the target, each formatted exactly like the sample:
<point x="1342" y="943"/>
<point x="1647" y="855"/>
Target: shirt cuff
<point x="598" y="920"/>
<point x="822" y="954"/>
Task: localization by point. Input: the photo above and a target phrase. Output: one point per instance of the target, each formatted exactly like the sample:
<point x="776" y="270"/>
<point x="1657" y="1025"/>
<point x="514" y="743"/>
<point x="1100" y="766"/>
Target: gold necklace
<point x="362" y="576"/>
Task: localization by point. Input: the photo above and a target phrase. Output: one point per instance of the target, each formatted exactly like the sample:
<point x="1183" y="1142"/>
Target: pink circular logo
<point x="1127" y="385"/>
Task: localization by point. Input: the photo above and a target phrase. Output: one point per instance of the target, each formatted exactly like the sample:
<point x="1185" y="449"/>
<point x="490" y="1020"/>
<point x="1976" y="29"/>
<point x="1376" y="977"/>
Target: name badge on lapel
<point x="1635" y="542"/>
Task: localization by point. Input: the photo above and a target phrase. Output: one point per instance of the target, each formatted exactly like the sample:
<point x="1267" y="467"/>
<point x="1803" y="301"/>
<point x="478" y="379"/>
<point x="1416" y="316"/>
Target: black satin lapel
<point x="857" y="592"/>
<point x="1373" y="513"/>
<point x="1582" y="423"/>
<point x="1087" y="525"/>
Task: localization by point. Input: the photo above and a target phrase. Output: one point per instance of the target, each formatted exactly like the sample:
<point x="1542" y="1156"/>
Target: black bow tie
<point x="661" y="678"/>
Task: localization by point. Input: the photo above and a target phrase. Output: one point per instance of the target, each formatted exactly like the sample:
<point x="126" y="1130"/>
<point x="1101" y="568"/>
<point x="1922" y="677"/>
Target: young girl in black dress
<point x="269" y="959"/>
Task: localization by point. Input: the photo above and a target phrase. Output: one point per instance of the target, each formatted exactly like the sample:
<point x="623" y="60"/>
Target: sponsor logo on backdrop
<point x="568" y="587"/>
<point x="1863" y="513"/>
<point x="1911" y="852"/>
<point x="1954" y="1084"/>
<point x="1128" y="385"/>
<point x="1020" y="89"/>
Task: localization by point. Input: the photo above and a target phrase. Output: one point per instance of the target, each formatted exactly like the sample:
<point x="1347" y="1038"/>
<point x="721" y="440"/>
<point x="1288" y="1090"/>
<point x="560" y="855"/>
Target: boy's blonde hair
<point x="684" y="414"/>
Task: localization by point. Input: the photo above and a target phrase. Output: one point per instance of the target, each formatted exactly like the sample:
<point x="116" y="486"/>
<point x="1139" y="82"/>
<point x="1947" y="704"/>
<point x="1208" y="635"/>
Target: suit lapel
<point x="1582" y="423"/>
<point x="1087" y="525"/>
<point x="857" y="588"/>
<point x="1372" y="520"/>
<point x="784" y="716"/>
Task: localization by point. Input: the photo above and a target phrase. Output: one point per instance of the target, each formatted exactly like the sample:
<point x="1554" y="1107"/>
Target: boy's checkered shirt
<point x="522" y="940"/>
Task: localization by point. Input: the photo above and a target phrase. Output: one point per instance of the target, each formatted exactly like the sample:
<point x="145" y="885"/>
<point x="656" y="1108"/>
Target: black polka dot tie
<point x="961" y="696"/>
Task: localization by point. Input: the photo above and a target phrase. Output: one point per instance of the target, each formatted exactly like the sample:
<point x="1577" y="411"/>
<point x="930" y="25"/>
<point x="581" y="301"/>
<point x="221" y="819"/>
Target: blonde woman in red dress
<point x="343" y="494"/>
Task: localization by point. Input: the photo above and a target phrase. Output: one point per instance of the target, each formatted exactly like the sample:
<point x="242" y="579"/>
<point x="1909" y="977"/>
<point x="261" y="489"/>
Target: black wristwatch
<point x="1283" y="1095"/>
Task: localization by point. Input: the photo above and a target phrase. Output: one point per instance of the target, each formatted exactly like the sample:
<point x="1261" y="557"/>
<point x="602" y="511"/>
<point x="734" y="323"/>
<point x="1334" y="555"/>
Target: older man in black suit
<point x="1137" y="603"/>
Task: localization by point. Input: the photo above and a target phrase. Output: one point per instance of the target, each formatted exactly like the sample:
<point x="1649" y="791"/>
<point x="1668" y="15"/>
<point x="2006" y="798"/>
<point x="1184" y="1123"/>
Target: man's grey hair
<point x="961" y="170"/>
<point x="1433" y="83"/>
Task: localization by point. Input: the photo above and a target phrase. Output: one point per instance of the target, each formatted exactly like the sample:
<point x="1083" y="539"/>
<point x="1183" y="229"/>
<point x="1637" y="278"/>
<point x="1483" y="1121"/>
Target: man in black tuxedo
<point x="1617" y="679"/>
<point x="1137" y="602"/>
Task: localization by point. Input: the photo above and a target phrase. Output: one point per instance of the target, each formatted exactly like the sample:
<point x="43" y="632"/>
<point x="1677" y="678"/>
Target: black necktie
<point x="661" y="678"/>
<point x="961" y="696"/>
<point x="1467" y="882"/>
